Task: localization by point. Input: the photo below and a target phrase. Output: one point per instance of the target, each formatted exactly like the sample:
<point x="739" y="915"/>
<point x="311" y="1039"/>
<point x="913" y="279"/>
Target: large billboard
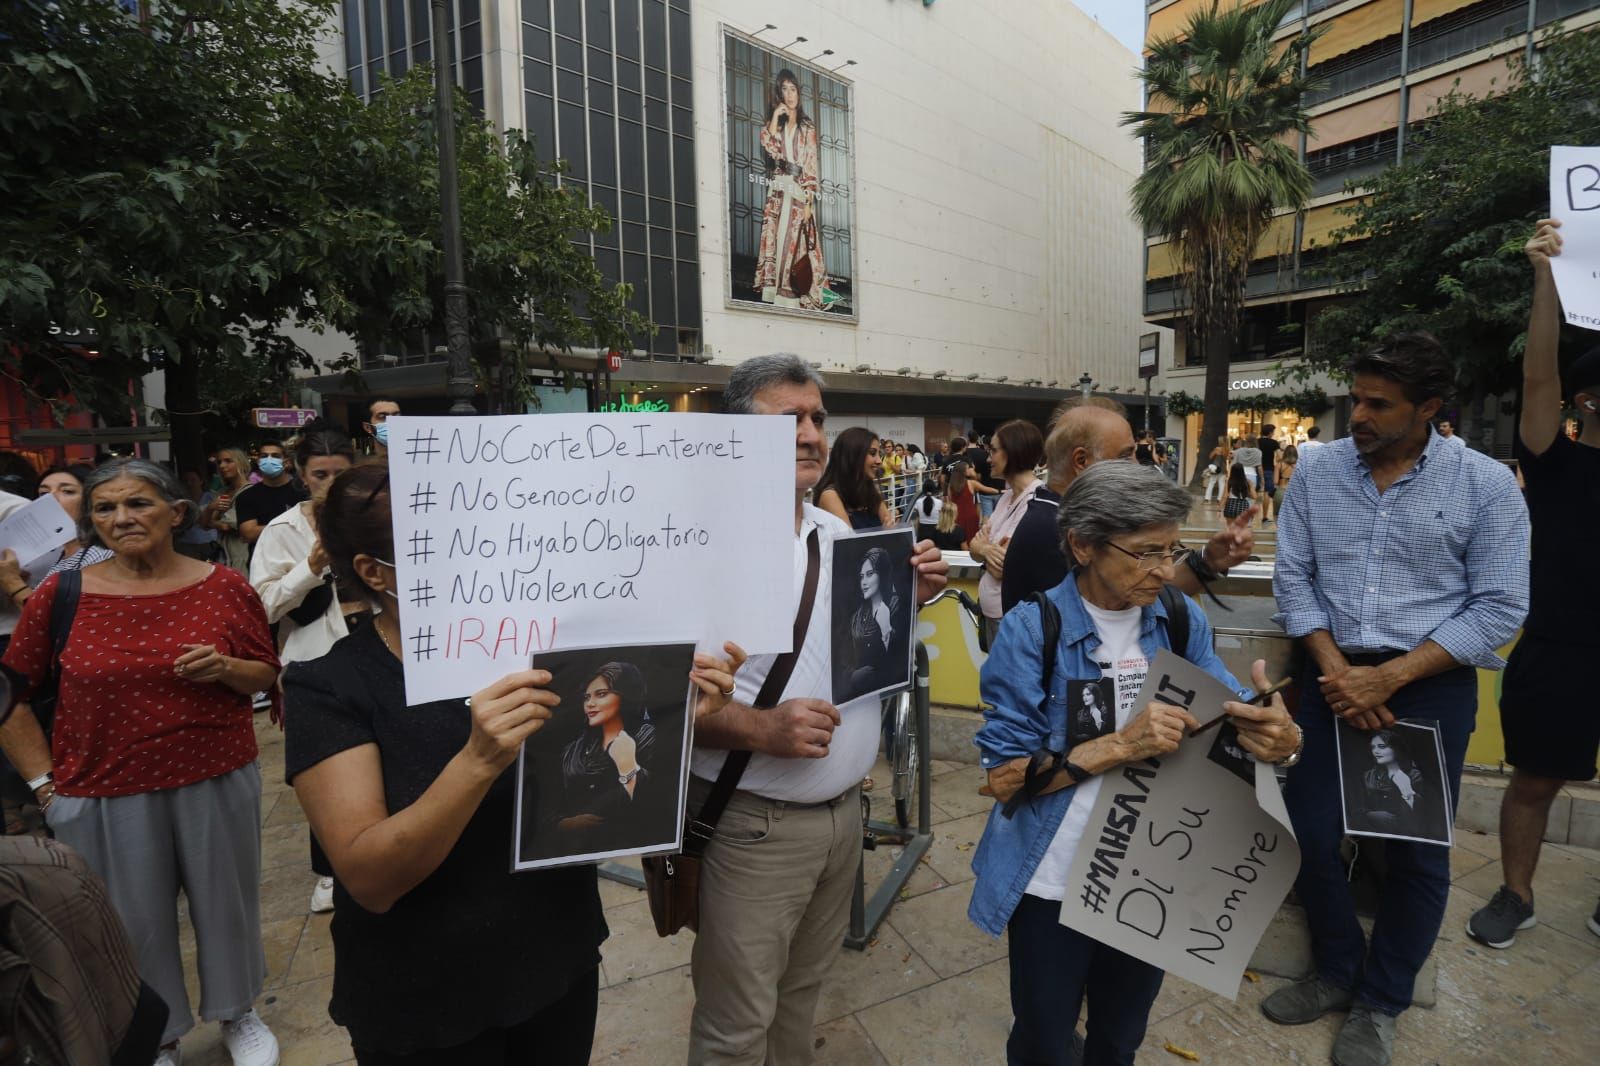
<point x="791" y="183"/>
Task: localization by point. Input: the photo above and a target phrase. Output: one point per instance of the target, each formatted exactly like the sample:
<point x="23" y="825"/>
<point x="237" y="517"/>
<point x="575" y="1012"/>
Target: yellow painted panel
<point x="1322" y="221"/>
<point x="1361" y="120"/>
<point x="1278" y="239"/>
<point x="953" y="655"/>
<point x="1487" y="747"/>
<point x="1172" y="20"/>
<point x="1163" y="261"/>
<point x="1353" y="29"/>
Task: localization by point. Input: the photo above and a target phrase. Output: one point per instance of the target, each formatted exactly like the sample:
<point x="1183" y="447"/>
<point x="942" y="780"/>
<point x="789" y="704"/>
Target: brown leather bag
<point x="800" y="278"/>
<point x="672" y="882"/>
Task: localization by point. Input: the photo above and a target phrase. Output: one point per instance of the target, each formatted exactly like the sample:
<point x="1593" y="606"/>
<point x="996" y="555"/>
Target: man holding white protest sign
<point x="1109" y="620"/>
<point x="776" y="879"/>
<point x="1402" y="564"/>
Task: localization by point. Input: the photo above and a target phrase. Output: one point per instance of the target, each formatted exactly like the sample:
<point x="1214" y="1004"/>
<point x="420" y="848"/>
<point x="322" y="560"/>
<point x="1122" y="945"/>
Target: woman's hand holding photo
<point x="505" y="714"/>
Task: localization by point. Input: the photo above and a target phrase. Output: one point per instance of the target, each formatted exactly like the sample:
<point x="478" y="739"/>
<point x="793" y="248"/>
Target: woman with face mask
<point x="442" y="954"/>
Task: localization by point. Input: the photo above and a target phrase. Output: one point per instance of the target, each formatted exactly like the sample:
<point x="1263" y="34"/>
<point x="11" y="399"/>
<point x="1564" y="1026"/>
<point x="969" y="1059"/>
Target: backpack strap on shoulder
<point x="1177" y="619"/>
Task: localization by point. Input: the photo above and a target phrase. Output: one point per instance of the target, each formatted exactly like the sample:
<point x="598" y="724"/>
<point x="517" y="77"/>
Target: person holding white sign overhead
<point x="776" y="878"/>
<point x="1551" y="738"/>
<point x="442" y="955"/>
<point x="1045" y="760"/>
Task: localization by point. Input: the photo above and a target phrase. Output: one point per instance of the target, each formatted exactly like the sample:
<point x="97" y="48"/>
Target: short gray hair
<point x="155" y="475"/>
<point x="762" y="372"/>
<point x="1117" y="497"/>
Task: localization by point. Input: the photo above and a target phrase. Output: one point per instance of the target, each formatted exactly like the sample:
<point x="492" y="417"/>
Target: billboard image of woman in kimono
<point x="790" y="271"/>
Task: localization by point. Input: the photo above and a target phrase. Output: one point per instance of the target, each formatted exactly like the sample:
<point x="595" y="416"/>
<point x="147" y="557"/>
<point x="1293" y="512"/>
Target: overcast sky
<point x="1123" y="18"/>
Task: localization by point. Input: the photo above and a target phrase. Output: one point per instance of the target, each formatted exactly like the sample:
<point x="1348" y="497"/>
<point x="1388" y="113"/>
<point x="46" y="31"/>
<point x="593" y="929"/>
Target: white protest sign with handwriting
<point x="515" y="534"/>
<point x="1186" y="858"/>
<point x="1575" y="201"/>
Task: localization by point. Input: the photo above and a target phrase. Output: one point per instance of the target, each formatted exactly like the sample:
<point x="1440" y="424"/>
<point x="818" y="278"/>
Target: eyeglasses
<point x="1176" y="555"/>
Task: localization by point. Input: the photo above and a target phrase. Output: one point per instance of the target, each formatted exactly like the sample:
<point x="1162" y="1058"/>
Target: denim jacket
<point x="1013" y="727"/>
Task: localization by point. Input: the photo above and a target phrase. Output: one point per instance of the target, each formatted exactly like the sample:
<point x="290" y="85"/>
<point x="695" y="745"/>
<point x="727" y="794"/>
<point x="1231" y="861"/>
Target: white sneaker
<point x="249" y="1041"/>
<point x="170" y="1057"/>
<point x="322" y="896"/>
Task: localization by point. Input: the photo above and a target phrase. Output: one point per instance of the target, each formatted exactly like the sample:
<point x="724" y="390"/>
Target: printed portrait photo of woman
<point x="606" y="775"/>
<point x="1394" y="782"/>
<point x="873" y="613"/>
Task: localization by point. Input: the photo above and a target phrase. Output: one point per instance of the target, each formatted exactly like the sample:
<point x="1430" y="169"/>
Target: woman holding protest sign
<point x="1119" y="526"/>
<point x="442" y="955"/>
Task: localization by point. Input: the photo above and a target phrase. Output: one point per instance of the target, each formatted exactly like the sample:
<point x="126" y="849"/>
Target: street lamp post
<point x="458" y="338"/>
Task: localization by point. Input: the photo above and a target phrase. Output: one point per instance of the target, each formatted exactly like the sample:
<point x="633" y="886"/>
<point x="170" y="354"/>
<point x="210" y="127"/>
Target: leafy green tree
<point x="191" y="181"/>
<point x="1221" y="95"/>
<point x="1437" y="243"/>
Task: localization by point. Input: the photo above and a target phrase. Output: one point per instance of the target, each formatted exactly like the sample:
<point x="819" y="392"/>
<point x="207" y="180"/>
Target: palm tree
<point x="1222" y="93"/>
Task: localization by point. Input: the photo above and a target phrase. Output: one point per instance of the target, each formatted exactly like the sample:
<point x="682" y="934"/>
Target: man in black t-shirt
<point x="275" y="493"/>
<point x="1269" y="459"/>
<point x="1085" y="433"/>
<point x="1548" y="710"/>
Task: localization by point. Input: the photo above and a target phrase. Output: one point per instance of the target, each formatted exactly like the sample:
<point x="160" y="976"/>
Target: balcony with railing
<point x="1551" y="10"/>
<point x="1335" y="166"/>
<point x="1371" y="64"/>
<point x="1466" y="30"/>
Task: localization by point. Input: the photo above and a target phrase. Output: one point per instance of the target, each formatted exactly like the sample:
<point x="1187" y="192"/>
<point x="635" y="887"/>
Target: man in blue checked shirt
<point x="1402" y="565"/>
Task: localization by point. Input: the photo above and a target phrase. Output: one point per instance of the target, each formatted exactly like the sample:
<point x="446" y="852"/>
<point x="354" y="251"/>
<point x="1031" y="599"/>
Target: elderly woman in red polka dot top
<point x="151" y="770"/>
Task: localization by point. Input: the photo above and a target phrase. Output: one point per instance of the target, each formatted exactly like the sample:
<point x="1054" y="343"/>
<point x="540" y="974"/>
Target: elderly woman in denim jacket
<point x="1119" y="524"/>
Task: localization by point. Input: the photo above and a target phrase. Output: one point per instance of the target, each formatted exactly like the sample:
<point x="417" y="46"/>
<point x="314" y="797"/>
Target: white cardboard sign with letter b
<point x="1575" y="202"/>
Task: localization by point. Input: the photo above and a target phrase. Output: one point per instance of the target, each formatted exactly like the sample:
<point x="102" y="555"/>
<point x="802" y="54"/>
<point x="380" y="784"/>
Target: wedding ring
<point x="726" y="691"/>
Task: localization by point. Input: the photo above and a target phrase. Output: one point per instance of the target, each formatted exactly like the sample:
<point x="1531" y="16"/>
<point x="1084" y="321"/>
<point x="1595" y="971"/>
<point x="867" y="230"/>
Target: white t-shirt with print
<point x="1122" y="662"/>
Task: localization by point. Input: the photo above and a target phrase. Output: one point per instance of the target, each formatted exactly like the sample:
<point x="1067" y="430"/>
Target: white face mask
<point x="388" y="592"/>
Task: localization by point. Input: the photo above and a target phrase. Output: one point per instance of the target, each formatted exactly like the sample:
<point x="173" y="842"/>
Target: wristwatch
<point x="1299" y="748"/>
<point x="624" y="779"/>
<point x="42" y="780"/>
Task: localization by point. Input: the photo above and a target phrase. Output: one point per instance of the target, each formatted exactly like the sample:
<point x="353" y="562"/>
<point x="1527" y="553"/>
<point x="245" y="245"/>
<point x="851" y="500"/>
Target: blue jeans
<point x="986" y="504"/>
<point x="1418" y="875"/>
<point x="1053" y="969"/>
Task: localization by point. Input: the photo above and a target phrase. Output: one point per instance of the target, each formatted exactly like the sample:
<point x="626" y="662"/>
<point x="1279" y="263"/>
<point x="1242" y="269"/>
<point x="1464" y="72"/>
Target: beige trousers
<point x="775" y="890"/>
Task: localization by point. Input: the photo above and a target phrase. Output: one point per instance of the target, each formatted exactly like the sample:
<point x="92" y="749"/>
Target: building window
<point x="607" y="90"/>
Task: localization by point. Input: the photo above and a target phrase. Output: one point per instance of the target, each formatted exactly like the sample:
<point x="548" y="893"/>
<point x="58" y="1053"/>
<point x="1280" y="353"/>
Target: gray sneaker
<point x="1365" y="1039"/>
<point x="1497" y="923"/>
<point x="1305" y="1001"/>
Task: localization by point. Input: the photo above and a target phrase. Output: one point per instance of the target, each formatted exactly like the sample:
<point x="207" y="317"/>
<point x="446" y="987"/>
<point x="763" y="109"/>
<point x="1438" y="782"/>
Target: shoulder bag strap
<point x="701" y="827"/>
<point x="69" y="586"/>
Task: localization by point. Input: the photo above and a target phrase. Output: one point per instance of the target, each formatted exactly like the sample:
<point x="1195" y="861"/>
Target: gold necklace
<point x="385" y="638"/>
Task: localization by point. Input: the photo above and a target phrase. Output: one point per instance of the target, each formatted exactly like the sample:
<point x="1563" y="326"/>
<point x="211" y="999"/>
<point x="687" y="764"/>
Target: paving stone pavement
<point x="932" y="991"/>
